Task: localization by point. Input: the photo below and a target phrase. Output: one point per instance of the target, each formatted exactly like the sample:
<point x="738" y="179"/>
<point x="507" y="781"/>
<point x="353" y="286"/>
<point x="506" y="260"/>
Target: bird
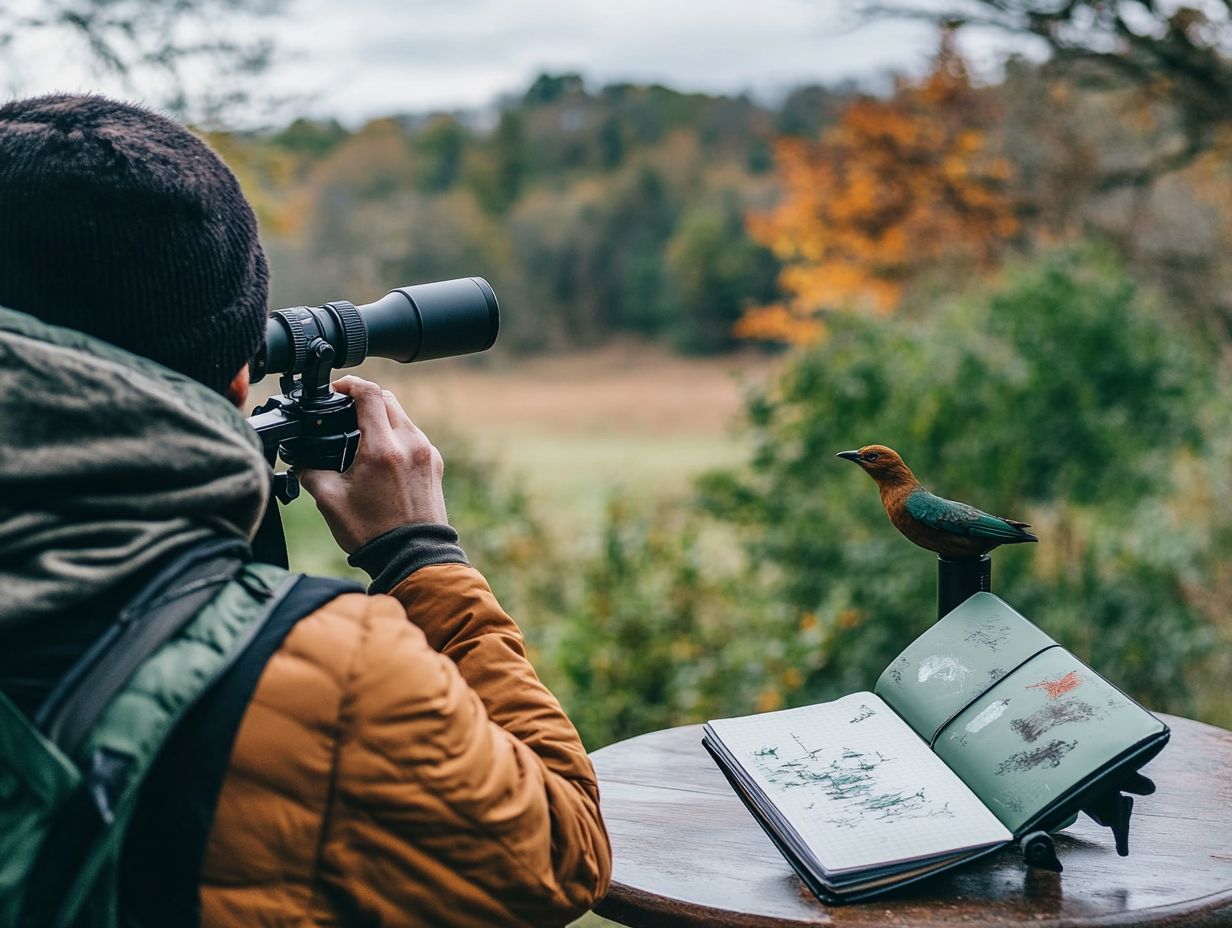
<point x="948" y="528"/>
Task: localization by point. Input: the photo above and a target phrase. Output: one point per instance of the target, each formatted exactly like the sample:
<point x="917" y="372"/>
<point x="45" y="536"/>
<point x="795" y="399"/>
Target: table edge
<point x="1217" y="907"/>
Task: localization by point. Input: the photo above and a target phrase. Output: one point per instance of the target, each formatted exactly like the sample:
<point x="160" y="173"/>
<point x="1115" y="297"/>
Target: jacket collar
<point x="108" y="461"/>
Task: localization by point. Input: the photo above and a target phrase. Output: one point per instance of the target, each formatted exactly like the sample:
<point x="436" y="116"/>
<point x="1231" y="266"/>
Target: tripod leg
<point x="1039" y="850"/>
<point x="1112" y="810"/>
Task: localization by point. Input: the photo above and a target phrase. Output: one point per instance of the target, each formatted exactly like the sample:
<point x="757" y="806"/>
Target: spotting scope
<point x="419" y="323"/>
<point x="310" y="426"/>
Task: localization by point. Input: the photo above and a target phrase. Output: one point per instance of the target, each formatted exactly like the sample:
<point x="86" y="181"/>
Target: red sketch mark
<point x="1057" y="688"/>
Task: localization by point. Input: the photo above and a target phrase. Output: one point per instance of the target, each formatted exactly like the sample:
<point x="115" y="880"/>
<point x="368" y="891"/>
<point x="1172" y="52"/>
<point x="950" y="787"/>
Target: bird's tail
<point x="1022" y="529"/>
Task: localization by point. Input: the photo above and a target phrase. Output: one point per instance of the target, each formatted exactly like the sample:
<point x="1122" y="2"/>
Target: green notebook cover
<point x="1021" y="720"/>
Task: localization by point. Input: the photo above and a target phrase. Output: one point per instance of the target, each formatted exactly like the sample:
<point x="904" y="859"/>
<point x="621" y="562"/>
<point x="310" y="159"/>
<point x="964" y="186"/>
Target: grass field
<point x="629" y="416"/>
<point x="573" y="429"/>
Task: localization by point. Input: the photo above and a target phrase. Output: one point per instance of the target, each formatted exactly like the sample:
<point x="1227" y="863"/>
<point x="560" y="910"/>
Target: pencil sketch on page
<point x="849" y="781"/>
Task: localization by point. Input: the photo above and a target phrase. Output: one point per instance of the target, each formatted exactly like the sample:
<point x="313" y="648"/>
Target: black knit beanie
<point x="118" y="222"/>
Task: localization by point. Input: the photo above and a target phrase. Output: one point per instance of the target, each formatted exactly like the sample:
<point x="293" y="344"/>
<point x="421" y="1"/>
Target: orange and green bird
<point x="951" y="529"/>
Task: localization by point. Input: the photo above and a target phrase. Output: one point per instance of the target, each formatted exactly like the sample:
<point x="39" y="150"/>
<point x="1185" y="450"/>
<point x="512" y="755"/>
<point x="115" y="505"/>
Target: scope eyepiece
<point x="418" y="323"/>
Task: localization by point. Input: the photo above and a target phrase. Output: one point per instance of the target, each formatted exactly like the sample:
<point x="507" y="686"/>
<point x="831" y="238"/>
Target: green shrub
<point x="661" y="631"/>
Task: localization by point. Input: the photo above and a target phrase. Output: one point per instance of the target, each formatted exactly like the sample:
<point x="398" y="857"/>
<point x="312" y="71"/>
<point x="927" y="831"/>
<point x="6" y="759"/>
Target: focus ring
<point x="354" y="331"/>
<point x="294" y="323"/>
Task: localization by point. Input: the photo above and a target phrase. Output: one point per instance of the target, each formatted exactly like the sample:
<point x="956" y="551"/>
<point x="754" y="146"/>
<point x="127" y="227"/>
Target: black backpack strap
<point x="167" y="602"/>
<point x="165" y="850"/>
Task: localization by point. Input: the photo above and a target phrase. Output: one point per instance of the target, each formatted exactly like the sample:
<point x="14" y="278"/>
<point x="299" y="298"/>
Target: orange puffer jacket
<point x="395" y="772"/>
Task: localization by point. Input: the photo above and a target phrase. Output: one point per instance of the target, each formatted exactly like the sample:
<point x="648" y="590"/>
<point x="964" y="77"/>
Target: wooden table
<point x="687" y="852"/>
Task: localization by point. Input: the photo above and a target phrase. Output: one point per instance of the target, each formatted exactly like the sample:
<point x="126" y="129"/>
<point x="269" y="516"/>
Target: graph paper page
<point x="857" y="785"/>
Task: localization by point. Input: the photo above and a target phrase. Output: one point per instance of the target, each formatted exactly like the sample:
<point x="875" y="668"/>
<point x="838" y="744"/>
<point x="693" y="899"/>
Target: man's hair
<point x="120" y="223"/>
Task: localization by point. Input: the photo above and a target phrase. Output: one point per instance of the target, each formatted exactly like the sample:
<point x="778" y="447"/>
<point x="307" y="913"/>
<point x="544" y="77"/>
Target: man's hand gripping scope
<point x="395" y="480"/>
<point x="317" y="426"/>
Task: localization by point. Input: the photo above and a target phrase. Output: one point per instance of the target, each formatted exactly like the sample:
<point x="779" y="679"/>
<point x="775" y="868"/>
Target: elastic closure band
<point x="976" y="698"/>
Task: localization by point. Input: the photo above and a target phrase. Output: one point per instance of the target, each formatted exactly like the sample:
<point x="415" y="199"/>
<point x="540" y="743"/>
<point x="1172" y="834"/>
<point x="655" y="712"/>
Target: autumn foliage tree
<point x="897" y="188"/>
<point x="1179" y="52"/>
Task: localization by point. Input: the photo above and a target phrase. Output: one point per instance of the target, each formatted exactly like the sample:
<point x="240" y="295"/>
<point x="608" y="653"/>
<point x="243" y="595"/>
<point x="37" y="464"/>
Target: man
<point x="399" y="762"/>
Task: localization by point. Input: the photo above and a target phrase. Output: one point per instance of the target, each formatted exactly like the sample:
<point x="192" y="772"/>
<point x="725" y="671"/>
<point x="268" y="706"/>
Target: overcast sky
<point x="360" y="58"/>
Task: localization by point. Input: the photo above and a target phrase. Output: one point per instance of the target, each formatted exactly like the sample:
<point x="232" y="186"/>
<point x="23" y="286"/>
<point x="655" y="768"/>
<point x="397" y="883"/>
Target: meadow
<point x="629" y="419"/>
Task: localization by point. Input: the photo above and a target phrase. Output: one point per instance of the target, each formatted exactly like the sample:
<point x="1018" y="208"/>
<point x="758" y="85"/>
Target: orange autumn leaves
<point x="899" y="188"/>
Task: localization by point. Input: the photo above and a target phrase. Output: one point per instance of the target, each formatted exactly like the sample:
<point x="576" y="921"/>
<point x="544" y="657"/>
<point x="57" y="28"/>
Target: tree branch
<point x="1098" y="32"/>
<point x="153" y="40"/>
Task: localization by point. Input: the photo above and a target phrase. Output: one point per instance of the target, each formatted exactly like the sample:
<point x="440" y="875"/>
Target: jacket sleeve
<point x="463" y="791"/>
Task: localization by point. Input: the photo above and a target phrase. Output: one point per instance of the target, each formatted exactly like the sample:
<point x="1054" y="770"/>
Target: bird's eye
<point x="871" y="456"/>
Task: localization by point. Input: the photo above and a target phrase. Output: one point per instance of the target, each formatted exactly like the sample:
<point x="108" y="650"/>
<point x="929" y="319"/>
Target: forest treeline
<point x="592" y="212"/>
<point x="698" y="219"/>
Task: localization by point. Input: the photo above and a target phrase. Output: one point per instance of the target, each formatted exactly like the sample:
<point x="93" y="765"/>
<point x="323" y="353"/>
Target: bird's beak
<point x="849" y="455"/>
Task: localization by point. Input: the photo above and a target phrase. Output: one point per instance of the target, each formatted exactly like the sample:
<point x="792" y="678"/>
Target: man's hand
<point x="395" y="479"/>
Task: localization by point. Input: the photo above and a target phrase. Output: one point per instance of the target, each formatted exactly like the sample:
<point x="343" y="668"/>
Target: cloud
<point x="373" y="56"/>
<point x="364" y="58"/>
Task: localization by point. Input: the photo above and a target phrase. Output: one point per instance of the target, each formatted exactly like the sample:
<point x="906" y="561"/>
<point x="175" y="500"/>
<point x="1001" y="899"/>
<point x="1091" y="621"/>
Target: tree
<point x="311" y="138"/>
<point x="497" y="174"/>
<point x="151" y="45"/>
<point x="441" y="143"/>
<point x="548" y="88"/>
<point x="898" y="188"/>
<point x="1173" y="51"/>
<point x="713" y="271"/>
<point x="808" y="109"/>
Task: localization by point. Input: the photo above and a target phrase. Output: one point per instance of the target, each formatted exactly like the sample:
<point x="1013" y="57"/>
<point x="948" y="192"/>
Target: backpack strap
<point x="164" y="852"/>
<point x="176" y="593"/>
<point x="115" y="737"/>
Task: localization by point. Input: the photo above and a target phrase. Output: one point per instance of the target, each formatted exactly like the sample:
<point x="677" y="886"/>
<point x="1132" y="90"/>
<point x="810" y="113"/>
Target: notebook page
<point x="1040" y="732"/>
<point x="856" y="784"/>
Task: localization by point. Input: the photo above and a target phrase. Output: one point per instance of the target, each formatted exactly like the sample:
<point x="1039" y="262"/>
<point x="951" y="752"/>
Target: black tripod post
<point x="960" y="578"/>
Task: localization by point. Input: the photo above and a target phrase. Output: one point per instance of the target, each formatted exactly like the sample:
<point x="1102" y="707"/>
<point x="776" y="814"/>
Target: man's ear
<point x="237" y="390"/>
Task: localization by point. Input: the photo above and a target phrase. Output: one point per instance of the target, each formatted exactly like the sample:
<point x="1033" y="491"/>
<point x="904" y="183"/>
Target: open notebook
<point x="982" y="731"/>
